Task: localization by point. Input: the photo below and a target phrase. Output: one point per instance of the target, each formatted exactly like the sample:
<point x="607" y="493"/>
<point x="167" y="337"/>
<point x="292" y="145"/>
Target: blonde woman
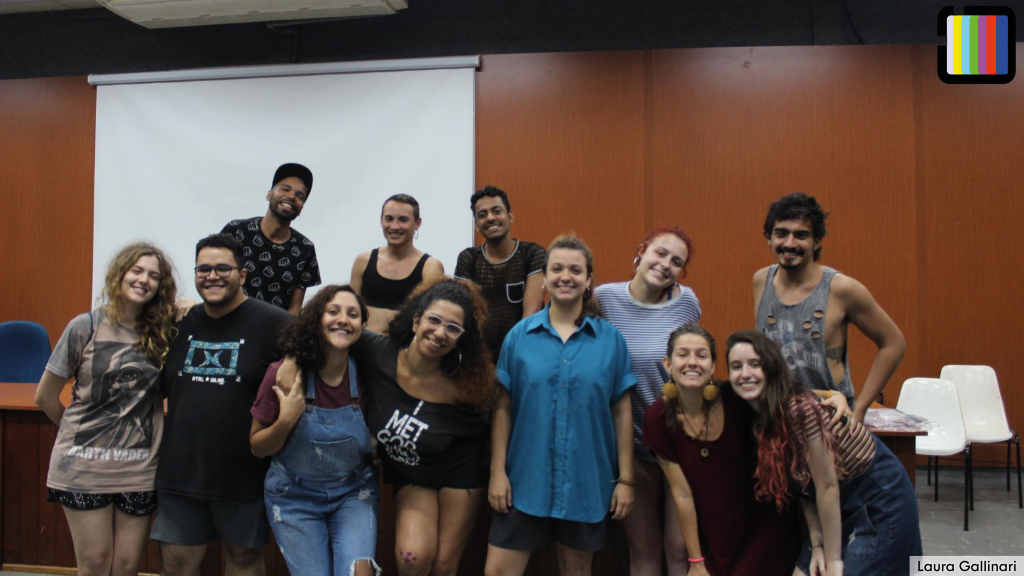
<point x="103" y="464"/>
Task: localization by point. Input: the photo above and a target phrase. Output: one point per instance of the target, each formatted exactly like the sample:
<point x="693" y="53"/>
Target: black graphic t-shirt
<point x="503" y="285"/>
<point x="213" y="372"/>
<point x="419" y="442"/>
<point x="274" y="270"/>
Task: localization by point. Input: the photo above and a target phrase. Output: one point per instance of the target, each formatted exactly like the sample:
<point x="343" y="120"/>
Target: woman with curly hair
<point x="562" y="448"/>
<point x="321" y="489"/>
<point x="860" y="508"/>
<point x="103" y="464"/>
<point x="431" y="387"/>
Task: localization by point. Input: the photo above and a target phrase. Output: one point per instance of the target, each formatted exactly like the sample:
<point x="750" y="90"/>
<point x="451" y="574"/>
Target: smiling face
<point x="792" y="242"/>
<point x="691" y="364"/>
<point x="438" y="329"/>
<point x="662" y="262"/>
<point x="399" y="222"/>
<point x="216" y="291"/>
<point x="493" y="220"/>
<point x="287" y="198"/>
<point x="342" y="321"/>
<point x="141" y="281"/>
<point x="746" y="373"/>
<point x="566" y="277"/>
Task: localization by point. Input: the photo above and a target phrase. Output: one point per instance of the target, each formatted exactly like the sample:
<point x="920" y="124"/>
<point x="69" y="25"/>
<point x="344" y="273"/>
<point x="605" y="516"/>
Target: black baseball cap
<point x="298" y="171"/>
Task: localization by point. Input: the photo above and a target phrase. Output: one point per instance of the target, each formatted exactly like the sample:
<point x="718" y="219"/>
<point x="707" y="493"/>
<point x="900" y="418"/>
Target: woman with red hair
<point x="860" y="508"/>
<point x="646" y="310"/>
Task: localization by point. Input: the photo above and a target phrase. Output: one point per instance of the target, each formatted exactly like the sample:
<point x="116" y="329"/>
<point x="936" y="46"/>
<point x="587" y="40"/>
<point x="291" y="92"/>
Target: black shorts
<point x="523" y="532"/>
<point x="188" y="521"/>
<point x="132" y="503"/>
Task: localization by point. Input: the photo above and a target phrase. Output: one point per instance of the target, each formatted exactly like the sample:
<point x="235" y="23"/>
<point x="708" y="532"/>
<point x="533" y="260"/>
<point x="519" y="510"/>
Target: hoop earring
<point x="416" y="235"/>
<point x="459" y="365"/>
<point x="586" y="294"/>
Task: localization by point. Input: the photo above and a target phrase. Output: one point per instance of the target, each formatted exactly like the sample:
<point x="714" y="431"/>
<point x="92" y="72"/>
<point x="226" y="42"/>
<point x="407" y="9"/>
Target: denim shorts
<point x="188" y="521"/>
<point x="323" y="527"/>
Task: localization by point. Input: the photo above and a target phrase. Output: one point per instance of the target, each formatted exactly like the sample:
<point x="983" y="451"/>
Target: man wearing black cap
<point x="281" y="262"/>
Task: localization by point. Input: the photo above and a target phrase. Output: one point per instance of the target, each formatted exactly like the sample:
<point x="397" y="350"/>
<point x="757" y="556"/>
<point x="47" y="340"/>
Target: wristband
<point x="625" y="482"/>
<point x="695" y="560"/>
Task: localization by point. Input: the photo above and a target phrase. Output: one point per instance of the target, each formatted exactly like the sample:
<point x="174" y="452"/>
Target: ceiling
<point x="60" y="40"/>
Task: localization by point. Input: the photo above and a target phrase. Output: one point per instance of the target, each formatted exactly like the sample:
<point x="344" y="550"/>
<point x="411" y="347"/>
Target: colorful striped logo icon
<point x="979" y="45"/>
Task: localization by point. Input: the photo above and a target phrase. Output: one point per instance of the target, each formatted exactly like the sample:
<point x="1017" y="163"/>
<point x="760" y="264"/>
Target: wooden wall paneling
<point x="563" y="135"/>
<point x="12" y="488"/>
<point x="47" y="157"/>
<point x="972" y="142"/>
<point x="31" y="499"/>
<point x="50" y="513"/>
<point x="737" y="128"/>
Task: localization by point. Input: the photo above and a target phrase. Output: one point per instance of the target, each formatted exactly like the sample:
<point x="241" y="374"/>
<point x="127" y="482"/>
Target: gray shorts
<point x="523" y="532"/>
<point x="187" y="521"/>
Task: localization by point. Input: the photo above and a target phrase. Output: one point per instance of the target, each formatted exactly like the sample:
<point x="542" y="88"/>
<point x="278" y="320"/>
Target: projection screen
<point x="176" y="161"/>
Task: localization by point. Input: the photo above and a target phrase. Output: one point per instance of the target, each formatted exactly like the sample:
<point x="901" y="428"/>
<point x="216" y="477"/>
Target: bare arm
<point x="358" y="267"/>
<point x="622" y="420"/>
<point x="818" y="566"/>
<point x="269" y="440"/>
<point x="48" y="396"/>
<point x="499" y="493"/>
<point x="869" y="318"/>
<point x="296" y="305"/>
<point x="826" y="487"/>
<point x="759" y="279"/>
<point x="533" y="296"/>
<point x="686" y="511"/>
<point x="432" y="268"/>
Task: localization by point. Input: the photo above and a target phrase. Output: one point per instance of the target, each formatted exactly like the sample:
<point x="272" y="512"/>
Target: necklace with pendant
<point x="696" y="435"/>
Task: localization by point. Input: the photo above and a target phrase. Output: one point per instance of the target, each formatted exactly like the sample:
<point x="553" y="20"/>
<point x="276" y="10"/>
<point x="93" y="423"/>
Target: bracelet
<point x="695" y="560"/>
<point x="830" y="394"/>
<point x="625" y="482"/>
<point x="818" y="545"/>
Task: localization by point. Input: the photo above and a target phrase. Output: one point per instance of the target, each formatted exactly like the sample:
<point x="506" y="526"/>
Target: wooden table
<point x="902" y="442"/>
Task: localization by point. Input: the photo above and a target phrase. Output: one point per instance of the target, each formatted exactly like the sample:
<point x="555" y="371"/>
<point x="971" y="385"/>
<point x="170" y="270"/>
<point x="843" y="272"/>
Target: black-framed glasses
<point x="452" y="329"/>
<point x="222" y="270"/>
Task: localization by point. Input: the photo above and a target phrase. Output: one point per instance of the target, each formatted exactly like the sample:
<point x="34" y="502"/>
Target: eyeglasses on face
<point x="452" y="329"/>
<point x="222" y="270"/>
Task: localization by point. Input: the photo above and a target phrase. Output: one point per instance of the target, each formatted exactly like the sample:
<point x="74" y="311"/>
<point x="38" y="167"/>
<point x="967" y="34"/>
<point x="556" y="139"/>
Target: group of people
<point x="468" y="391"/>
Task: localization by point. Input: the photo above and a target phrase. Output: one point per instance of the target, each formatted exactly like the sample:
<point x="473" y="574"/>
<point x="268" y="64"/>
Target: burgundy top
<point x="738" y="534"/>
<point x="267" y="406"/>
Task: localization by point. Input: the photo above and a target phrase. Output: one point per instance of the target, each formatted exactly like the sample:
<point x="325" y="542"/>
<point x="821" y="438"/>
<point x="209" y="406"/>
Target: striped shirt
<point x="646" y="328"/>
<point x="855" y="445"/>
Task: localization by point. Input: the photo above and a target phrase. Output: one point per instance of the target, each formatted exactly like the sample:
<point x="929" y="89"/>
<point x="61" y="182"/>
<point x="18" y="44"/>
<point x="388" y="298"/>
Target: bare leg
<point x="129" y="542"/>
<point x="676" y="555"/>
<point x="574" y="562"/>
<point x="458" y="511"/>
<point x="502" y="562"/>
<point x="239" y="561"/>
<point x="92" y="532"/>
<point x="416" y="514"/>
<point x="643" y="524"/>
<point x="178" y="560"/>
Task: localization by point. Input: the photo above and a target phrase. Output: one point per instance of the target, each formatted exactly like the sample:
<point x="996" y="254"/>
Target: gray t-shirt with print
<point x="109" y="435"/>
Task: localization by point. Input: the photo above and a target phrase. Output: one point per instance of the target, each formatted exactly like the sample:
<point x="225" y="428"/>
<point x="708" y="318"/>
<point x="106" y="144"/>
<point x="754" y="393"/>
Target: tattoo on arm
<point x="835" y="353"/>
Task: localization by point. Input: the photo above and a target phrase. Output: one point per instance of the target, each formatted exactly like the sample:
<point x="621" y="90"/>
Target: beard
<point x="282" y="216"/>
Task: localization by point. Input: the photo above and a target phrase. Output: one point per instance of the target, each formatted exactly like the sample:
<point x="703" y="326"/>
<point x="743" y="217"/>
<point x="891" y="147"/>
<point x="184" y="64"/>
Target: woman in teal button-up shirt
<point x="562" y="445"/>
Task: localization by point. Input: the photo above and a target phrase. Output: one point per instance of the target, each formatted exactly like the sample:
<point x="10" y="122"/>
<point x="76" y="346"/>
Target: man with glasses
<point x="279" y="261"/>
<point x="209" y="485"/>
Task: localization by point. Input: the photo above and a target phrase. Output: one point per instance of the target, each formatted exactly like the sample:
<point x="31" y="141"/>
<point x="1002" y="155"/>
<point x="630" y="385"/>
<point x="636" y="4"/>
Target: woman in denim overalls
<point x="321" y="490"/>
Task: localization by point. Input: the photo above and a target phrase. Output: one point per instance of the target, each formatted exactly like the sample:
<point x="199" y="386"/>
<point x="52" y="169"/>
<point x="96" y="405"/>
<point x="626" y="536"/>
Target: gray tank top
<point x="799" y="330"/>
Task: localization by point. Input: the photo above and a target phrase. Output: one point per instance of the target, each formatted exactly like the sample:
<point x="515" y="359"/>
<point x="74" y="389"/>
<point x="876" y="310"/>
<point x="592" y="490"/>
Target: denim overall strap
<point x="353" y="387"/>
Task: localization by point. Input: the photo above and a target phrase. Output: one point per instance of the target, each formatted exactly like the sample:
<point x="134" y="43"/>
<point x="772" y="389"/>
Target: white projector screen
<point x="177" y="161"/>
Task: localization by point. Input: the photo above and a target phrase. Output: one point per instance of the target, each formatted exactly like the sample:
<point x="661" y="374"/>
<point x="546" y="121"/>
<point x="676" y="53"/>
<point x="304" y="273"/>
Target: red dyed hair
<point x="659" y="231"/>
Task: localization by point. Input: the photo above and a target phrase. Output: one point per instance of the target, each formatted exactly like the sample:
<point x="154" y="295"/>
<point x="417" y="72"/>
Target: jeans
<point x="323" y="527"/>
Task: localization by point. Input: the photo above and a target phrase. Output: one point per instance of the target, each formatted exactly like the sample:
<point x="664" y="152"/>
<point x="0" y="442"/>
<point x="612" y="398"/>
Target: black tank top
<point x="381" y="292"/>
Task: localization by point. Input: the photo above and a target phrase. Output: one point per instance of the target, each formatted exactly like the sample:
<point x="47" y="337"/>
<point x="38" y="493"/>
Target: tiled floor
<point x="996" y="524"/>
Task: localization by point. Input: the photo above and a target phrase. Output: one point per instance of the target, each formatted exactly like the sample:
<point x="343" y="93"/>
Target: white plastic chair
<point x="984" y="413"/>
<point x="936" y="400"/>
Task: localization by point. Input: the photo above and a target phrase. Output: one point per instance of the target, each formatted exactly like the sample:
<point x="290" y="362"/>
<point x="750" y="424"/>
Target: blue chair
<point x="24" y="351"/>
